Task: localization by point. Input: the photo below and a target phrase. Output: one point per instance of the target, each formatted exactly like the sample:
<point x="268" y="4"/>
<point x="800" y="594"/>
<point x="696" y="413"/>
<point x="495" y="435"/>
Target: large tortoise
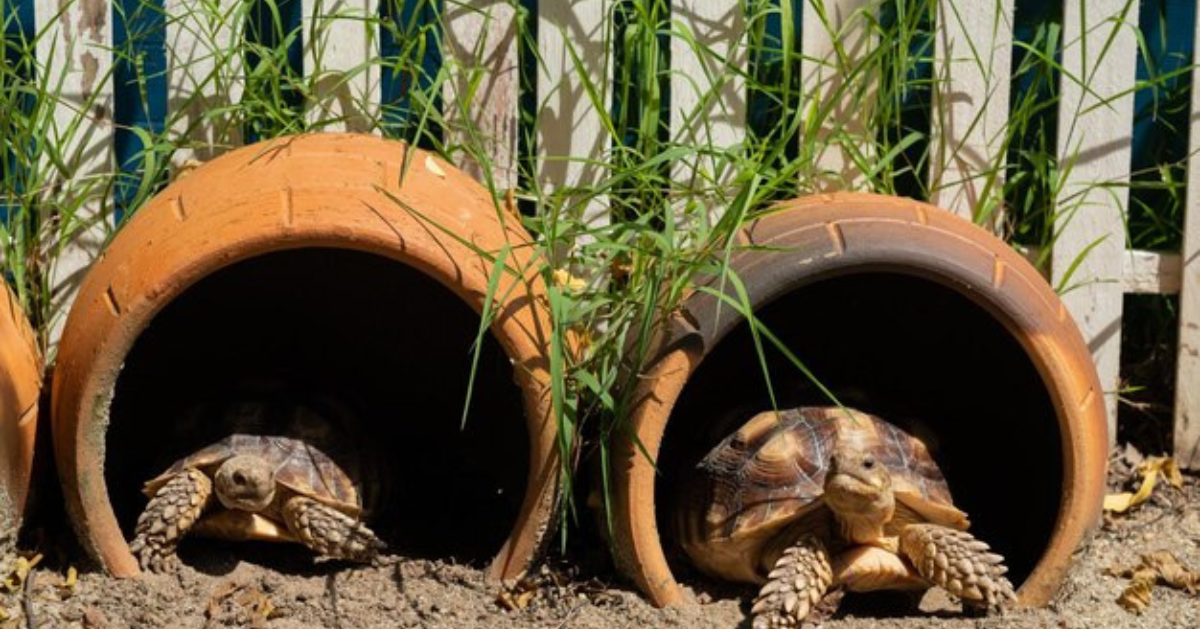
<point x="266" y="481"/>
<point x="809" y="499"/>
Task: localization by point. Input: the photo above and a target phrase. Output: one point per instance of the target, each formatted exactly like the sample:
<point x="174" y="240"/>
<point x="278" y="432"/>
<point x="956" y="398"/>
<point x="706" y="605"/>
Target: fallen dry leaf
<point x="1171" y="572"/>
<point x="1136" y="596"/>
<point x="519" y="596"/>
<point x="259" y="604"/>
<point x="67" y="587"/>
<point x="21" y="568"/>
<point x="1149" y="470"/>
<point x="1157" y="567"/>
<point x="217" y="598"/>
<point x="244" y="601"/>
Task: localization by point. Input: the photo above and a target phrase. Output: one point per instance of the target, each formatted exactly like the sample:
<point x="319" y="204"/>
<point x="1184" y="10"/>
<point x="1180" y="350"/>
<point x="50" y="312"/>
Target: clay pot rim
<point x="687" y="341"/>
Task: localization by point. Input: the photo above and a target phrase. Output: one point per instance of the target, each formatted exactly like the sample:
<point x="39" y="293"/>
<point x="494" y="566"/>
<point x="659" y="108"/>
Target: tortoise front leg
<point x="329" y="531"/>
<point x="168" y="516"/>
<point x="795" y="585"/>
<point x="958" y="562"/>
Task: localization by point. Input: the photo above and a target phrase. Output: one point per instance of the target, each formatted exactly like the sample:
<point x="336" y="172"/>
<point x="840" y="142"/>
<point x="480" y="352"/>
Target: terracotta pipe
<point x="334" y="191"/>
<point x="20" y="387"/>
<point x="832" y="239"/>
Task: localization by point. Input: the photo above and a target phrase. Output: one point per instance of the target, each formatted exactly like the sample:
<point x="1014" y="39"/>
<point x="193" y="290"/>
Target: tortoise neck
<point x="863" y="529"/>
<point x="862" y="510"/>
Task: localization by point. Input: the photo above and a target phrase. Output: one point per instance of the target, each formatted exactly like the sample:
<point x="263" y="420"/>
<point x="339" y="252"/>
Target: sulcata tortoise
<point x="268" y="480"/>
<point x="810" y="499"/>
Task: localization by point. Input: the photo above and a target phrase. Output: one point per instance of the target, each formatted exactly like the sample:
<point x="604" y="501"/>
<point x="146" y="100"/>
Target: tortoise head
<point x="245" y="482"/>
<point x="858" y="485"/>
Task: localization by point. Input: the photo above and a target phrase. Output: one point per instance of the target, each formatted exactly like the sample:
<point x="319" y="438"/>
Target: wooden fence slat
<point x="339" y="40"/>
<point x="483" y="92"/>
<point x="570" y="128"/>
<point x="1151" y="273"/>
<point x="708" y="93"/>
<point x="203" y="80"/>
<point x="1187" y="382"/>
<point x="1142" y="272"/>
<point x="77" y="48"/>
<point x="1094" y="133"/>
<point x="973" y="57"/>
<point x="823" y="73"/>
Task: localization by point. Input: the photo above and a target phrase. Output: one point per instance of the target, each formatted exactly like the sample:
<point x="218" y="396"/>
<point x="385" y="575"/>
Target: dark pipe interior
<point x="333" y="329"/>
<point x="913" y="352"/>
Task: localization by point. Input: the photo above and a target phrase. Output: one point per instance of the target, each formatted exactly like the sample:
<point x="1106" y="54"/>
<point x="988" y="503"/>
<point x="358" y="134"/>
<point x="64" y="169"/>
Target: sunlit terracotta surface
<point x="20" y="387"/>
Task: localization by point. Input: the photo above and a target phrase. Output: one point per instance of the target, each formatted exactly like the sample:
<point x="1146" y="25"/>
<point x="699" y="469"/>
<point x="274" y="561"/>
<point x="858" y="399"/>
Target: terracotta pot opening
<point x="390" y="351"/>
<point x="908" y="312"/>
<point x="913" y="351"/>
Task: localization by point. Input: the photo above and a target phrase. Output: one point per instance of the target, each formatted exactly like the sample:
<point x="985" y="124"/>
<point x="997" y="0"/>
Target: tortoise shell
<point x="769" y="476"/>
<point x="300" y="467"/>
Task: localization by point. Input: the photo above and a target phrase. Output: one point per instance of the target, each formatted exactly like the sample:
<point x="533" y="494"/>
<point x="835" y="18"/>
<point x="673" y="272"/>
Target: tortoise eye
<point x="239" y="478"/>
<point x="868" y="462"/>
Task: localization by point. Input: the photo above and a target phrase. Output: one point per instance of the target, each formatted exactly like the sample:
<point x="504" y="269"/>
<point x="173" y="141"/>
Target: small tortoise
<point x="810" y="499"/>
<point x="246" y="486"/>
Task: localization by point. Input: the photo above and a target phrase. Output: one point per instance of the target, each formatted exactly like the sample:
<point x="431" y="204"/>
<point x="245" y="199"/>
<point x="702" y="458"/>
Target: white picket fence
<point x="969" y="32"/>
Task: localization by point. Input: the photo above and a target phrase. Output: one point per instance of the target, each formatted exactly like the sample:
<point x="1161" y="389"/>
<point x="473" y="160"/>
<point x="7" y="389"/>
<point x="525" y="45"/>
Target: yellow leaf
<point x="1149" y="469"/>
<point x="563" y="278"/>
<point x="1171" y="472"/>
<point x="16" y="579"/>
<point x="1125" y="501"/>
<point x="68" y="584"/>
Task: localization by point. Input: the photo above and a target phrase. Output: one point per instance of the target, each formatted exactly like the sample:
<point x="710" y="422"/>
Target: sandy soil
<point x="276" y="587"/>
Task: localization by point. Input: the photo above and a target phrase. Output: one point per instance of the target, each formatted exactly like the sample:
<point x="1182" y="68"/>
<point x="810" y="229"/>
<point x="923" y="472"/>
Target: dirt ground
<point x="276" y="587"/>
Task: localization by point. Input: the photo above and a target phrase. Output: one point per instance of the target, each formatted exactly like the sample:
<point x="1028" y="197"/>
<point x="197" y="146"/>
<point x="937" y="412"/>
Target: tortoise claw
<point x="167" y="518"/>
<point x="961" y="564"/>
<point x="155" y="558"/>
<point x="797" y="583"/>
<point x="331" y="532"/>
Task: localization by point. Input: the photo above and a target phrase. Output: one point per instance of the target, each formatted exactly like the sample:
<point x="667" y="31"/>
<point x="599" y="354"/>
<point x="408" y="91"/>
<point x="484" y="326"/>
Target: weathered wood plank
<point x="1151" y="273"/>
<point x="204" y="79"/>
<point x="1143" y="272"/>
<point x="482" y="95"/>
<point x="572" y="39"/>
<point x="834" y="36"/>
<point x="1094" y="131"/>
<point x="708" y="93"/>
<point x="973" y="57"/>
<point x="76" y="49"/>
<point x="1187" y="382"/>
<point x="339" y="44"/>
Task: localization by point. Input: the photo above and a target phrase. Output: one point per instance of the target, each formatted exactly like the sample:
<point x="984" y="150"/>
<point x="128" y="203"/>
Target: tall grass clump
<point x="50" y="194"/>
